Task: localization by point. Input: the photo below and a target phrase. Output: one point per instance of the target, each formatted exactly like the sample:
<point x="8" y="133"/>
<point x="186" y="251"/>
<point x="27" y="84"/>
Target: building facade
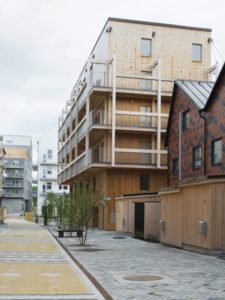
<point x="47" y="169"/>
<point x="17" y="192"/>
<point x="186" y="130"/>
<point x="112" y="131"/>
<point x="193" y="207"/>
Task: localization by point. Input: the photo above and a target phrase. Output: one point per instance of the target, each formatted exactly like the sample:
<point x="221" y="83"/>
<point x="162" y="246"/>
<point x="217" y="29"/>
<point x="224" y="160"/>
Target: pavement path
<point x="127" y="267"/>
<point x="34" y="266"/>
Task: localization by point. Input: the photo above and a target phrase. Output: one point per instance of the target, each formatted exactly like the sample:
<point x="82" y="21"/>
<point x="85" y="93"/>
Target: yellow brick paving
<point x="36" y="277"/>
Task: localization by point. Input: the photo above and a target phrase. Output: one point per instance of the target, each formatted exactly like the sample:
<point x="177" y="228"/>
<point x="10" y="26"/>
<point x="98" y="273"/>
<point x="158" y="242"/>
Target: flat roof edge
<point x="159" y="24"/>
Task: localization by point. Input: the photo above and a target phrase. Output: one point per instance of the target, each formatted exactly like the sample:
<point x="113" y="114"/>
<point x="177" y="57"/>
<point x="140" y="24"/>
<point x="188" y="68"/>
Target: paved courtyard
<point x="184" y="275"/>
<point x="34" y="266"/>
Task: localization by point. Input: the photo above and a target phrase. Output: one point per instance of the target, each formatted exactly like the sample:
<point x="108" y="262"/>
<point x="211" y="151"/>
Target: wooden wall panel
<point x="152" y="218"/>
<point x="128" y="182"/>
<point x="183" y="210"/>
<point x="171" y="213"/>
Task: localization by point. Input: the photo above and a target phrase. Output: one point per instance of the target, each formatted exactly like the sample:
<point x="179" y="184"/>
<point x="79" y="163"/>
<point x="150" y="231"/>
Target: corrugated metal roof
<point x="198" y="91"/>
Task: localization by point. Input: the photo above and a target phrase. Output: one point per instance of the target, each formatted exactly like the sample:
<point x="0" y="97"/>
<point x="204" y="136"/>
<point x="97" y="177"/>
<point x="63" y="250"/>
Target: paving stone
<point x="185" y="275"/>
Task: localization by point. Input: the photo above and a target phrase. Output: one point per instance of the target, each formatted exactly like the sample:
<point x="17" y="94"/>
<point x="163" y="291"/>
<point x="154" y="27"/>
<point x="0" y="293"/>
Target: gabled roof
<point x="197" y="91"/>
<point x="217" y="83"/>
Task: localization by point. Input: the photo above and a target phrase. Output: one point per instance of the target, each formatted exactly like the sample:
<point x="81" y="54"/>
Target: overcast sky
<point x="45" y="43"/>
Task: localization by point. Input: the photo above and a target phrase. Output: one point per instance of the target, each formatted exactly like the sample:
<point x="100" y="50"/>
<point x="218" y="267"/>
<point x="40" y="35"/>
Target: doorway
<point x="139" y="220"/>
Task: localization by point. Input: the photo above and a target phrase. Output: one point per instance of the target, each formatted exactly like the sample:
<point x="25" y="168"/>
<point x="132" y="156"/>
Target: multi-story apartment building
<point x="18" y="168"/>
<point x="47" y="169"/>
<point x="112" y="131"/>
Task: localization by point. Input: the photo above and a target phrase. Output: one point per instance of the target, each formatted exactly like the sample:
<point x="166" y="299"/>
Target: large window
<point x="49" y="170"/>
<point x="49" y="152"/>
<point x="146" y="47"/>
<point x="197" y="157"/>
<point x="186" y="120"/>
<point x="217" y="152"/>
<point x="196" y="52"/>
<point x="144" y="183"/>
<point x="175" y="166"/>
<point x="49" y="185"/>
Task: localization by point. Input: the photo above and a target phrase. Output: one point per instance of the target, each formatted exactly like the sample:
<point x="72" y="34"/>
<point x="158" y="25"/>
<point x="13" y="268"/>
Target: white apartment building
<point x="47" y="169"/>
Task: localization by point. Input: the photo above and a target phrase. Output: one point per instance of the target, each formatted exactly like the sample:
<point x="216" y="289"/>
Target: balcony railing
<point x="82" y="98"/>
<point x="81" y="131"/>
<point x="80" y="164"/>
<point x="98" y="79"/>
<point x="97" y="155"/>
<point x="10" y="194"/>
<point x="140" y="121"/>
<point x="13" y="185"/>
<point x="98" y="117"/>
<point x="149" y="84"/>
<point x="15" y="175"/>
<point x="147" y="159"/>
<point x="11" y="165"/>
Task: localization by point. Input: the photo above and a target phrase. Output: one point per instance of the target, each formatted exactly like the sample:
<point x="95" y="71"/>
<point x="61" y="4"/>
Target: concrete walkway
<point x="34" y="266"/>
<point x="127" y="269"/>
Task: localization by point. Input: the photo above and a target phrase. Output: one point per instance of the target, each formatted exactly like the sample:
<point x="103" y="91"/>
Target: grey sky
<point x="45" y="43"/>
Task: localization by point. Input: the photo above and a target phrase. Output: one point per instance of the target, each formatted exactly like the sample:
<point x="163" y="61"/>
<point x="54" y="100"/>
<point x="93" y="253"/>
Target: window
<point x="44" y="173"/>
<point x="217" y="152"/>
<point x="49" y="152"/>
<point x="65" y="187"/>
<point x="145" y="121"/>
<point x="144" y="183"/>
<point x="60" y="187"/>
<point x="49" y="170"/>
<point x="197" y="157"/>
<point x="196" y="52"/>
<point x="146" y="45"/>
<point x="44" y="158"/>
<point x="186" y="120"/>
<point x="175" y="166"/>
<point x="49" y="185"/>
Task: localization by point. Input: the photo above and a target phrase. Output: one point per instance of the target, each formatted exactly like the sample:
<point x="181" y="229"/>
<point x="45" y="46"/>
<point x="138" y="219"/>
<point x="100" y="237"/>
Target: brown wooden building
<point x="193" y="207"/>
<point x="112" y="130"/>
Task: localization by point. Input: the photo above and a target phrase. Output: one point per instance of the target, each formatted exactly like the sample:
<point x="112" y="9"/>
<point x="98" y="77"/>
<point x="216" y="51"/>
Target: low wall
<point x="194" y="216"/>
<point x="125" y="214"/>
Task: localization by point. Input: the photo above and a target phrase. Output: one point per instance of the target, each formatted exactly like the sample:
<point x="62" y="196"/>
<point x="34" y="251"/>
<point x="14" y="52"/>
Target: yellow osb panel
<point x="34" y="279"/>
<point x="11" y="246"/>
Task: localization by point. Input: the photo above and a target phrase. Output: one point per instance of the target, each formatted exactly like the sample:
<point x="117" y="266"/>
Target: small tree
<point x="48" y="208"/>
<point x="62" y="204"/>
<point x="83" y="200"/>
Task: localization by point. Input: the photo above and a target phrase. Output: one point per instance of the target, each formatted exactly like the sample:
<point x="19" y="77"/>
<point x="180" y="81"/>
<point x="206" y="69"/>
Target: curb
<point x="98" y="286"/>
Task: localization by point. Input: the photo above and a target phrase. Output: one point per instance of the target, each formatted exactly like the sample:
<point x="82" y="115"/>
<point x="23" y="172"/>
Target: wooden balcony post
<point x="113" y="109"/>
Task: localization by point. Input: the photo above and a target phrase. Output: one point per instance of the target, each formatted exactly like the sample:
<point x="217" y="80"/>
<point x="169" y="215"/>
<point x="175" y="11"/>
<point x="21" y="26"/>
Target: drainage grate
<point x="119" y="237"/>
<point x="142" y="277"/>
<point x="90" y="250"/>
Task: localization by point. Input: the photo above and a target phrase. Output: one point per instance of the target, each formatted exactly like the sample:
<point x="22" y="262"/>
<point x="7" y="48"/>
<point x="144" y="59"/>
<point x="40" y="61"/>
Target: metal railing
<point x="97" y="155"/>
<point x="139" y="121"/>
<point x="80" y="164"/>
<point x="98" y="117"/>
<point x="147" y="159"/>
<point x="81" y="131"/>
